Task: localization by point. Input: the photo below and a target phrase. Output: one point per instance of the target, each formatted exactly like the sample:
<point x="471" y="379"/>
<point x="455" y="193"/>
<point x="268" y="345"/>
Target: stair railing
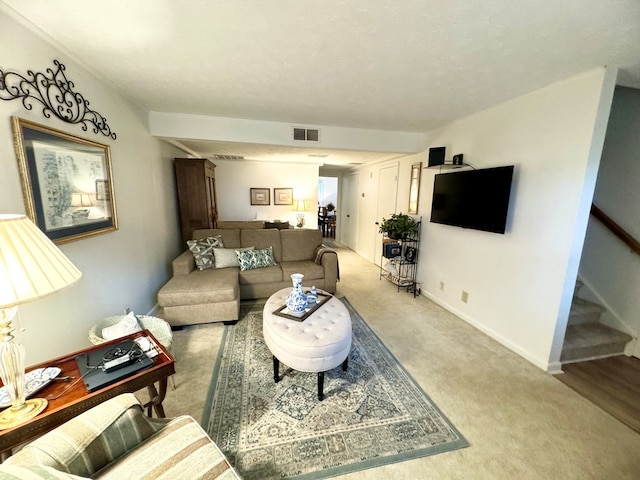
<point x="616" y="229"/>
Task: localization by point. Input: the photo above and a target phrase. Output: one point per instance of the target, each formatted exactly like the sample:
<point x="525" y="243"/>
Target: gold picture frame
<point x="283" y="196"/>
<point x="66" y="181"/>
<point x="414" y="188"/>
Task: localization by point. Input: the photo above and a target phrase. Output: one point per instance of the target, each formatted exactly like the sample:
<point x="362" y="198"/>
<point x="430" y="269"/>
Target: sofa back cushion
<point x="300" y="244"/>
<point x="230" y="237"/>
<point x="263" y="238"/>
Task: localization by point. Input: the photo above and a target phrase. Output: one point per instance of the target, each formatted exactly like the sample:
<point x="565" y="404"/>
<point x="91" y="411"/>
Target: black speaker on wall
<point x="436" y="156"/>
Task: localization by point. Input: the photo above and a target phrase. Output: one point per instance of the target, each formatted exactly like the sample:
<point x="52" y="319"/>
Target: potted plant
<point x="399" y="226"/>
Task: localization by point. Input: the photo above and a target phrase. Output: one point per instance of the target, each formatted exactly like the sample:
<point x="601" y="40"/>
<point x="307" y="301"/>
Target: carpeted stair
<point x="586" y="338"/>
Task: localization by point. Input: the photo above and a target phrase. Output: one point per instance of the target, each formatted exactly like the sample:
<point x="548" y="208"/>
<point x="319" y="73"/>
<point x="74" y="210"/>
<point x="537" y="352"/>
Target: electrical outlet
<point x="442" y="286"/>
<point x="465" y="296"/>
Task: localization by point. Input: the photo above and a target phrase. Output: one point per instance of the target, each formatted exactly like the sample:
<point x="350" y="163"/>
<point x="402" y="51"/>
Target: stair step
<point x="584" y="311"/>
<point x="587" y="341"/>
<point x="576" y="289"/>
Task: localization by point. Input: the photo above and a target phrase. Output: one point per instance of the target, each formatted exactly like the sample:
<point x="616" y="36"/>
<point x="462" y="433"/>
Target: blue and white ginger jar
<point x="296" y="301"/>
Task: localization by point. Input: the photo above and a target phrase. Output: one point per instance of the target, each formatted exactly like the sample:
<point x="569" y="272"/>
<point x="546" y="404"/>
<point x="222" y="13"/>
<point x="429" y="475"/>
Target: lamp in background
<point x="81" y="199"/>
<point x="31" y="266"/>
<point x="300" y="206"/>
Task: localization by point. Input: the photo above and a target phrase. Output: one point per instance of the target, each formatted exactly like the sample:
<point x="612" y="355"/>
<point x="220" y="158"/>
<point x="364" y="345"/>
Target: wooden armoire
<point x="197" y="201"/>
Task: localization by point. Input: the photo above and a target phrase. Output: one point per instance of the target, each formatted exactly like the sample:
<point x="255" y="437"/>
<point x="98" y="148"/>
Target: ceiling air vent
<point x="306" y="134"/>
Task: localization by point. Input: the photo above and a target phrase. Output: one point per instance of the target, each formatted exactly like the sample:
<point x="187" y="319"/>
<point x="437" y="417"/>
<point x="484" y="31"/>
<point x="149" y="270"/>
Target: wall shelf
<point x="400" y="265"/>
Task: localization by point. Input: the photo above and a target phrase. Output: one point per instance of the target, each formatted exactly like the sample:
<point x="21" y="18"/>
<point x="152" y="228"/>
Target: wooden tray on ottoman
<point x="283" y="311"/>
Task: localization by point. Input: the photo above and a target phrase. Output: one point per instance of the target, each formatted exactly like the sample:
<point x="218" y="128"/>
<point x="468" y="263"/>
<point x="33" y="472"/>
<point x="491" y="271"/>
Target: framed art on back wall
<point x="66" y="180"/>
<point x="260" y="196"/>
<point x="283" y="196"/>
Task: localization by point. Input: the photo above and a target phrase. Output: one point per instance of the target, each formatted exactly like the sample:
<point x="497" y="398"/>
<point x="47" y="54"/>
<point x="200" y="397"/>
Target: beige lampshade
<point x="300" y="206"/>
<point x="31" y="266"/>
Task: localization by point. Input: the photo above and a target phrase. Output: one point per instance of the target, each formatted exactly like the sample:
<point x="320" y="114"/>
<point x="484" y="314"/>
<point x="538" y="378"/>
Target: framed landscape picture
<point x="66" y="180"/>
<point x="260" y="196"/>
<point x="283" y="196"/>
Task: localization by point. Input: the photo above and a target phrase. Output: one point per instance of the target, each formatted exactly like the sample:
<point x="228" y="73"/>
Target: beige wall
<point x="235" y="179"/>
<point x="120" y="269"/>
<point x="520" y="284"/>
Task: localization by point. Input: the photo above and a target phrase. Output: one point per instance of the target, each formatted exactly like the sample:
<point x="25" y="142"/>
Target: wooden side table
<point x="66" y="404"/>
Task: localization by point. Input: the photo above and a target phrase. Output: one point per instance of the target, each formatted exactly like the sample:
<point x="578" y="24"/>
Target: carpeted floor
<point x="373" y="414"/>
<point x="520" y="421"/>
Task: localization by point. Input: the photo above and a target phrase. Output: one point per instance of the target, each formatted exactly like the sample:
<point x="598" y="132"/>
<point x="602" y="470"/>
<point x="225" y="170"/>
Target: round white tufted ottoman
<point x="317" y="344"/>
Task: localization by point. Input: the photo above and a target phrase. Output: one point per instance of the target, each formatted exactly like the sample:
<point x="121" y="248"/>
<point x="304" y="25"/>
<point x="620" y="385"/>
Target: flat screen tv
<point x="477" y="199"/>
<point x="436" y="156"/>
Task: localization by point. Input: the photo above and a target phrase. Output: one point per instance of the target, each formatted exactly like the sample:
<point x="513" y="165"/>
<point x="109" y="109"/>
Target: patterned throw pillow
<point x="250" y="259"/>
<point x="203" y="250"/>
<point x="226" y="257"/>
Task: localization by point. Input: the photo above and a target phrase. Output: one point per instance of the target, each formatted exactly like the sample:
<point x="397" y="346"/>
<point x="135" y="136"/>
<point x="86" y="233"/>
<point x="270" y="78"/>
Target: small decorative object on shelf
<point x="391" y="250"/>
<point x="312" y="297"/>
<point x="296" y="301"/>
<point x="399" y="259"/>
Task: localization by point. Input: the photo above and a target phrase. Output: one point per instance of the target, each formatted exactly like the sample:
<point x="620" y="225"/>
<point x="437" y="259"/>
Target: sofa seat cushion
<point x="310" y="270"/>
<point x="180" y="451"/>
<point x="261" y="275"/>
<point x="200" y="287"/>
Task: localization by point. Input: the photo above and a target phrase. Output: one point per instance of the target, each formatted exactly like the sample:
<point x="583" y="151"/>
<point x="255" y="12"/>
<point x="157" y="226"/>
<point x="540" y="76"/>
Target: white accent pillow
<point x="226" y="257"/>
<point x="128" y="325"/>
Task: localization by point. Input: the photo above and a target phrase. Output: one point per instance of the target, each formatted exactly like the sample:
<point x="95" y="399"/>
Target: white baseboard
<point x="541" y="364"/>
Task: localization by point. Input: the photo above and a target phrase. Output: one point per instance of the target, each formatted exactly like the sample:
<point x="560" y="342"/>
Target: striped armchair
<point x="115" y="440"/>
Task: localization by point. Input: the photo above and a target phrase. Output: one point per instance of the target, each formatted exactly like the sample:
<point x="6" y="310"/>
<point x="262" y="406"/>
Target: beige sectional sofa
<point x="212" y="295"/>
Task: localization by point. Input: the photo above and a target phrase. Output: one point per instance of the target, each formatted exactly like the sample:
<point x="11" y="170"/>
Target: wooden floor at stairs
<point x="611" y="383"/>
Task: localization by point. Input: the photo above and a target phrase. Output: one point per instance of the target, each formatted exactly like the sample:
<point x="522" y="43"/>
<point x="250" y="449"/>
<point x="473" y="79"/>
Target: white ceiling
<point x="377" y="64"/>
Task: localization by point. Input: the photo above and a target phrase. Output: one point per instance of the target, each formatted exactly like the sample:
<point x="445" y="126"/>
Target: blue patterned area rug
<point x="372" y="414"/>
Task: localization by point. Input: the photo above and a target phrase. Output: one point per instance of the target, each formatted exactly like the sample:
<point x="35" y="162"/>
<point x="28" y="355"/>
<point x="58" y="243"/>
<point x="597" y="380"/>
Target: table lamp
<point x="300" y="206"/>
<point x="31" y="266"/>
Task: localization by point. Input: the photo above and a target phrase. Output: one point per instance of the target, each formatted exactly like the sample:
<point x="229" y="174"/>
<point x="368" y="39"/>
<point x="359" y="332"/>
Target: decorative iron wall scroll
<point x="56" y="95"/>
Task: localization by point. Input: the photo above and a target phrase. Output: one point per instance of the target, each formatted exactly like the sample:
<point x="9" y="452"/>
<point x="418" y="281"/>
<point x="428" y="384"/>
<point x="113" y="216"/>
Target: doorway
<point x="328" y="206"/>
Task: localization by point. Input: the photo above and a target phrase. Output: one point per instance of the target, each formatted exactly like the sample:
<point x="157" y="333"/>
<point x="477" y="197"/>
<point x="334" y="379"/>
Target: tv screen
<point x="477" y="199"/>
<point x="436" y="156"/>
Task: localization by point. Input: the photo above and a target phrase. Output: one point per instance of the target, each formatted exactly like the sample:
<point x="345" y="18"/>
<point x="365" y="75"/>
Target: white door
<point x="349" y="211"/>
<point x="386" y="205"/>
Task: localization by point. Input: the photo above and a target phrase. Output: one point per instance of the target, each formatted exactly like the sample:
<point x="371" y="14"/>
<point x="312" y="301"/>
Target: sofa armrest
<point x="184" y="264"/>
<point x="180" y="451"/>
<point x="328" y="258"/>
<point x="78" y="446"/>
